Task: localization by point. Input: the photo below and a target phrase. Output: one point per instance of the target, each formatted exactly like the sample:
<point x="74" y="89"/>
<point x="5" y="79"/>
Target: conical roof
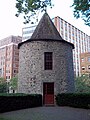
<point x="46" y="29"/>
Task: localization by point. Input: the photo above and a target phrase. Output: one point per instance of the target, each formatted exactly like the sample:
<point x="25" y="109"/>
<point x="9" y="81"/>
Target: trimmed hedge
<point x="13" y="94"/>
<point x="10" y="102"/>
<point x="79" y="100"/>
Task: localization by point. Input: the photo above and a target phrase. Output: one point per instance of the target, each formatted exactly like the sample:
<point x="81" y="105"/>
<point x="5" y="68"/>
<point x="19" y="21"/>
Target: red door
<point x="48" y="93"/>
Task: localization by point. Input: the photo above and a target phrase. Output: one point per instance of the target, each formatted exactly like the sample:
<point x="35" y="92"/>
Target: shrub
<point x="10" y="102"/>
<point x="80" y="100"/>
<point x="13" y="94"/>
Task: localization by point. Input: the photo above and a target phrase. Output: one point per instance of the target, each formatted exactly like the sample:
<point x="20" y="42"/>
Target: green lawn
<point x="1" y="118"/>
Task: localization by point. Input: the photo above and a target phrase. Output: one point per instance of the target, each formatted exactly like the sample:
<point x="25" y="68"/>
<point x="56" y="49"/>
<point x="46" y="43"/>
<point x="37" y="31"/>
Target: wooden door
<point x="48" y="93"/>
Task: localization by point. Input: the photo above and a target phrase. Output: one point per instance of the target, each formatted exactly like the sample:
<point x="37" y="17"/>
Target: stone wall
<point x="31" y="67"/>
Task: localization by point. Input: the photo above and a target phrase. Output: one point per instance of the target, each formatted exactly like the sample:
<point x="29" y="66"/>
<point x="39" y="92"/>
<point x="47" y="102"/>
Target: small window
<point x="89" y="67"/>
<point x="83" y="68"/>
<point x="82" y="59"/>
<point x="88" y="59"/>
<point x="7" y="77"/>
<point x="15" y="71"/>
<point x="48" y="60"/>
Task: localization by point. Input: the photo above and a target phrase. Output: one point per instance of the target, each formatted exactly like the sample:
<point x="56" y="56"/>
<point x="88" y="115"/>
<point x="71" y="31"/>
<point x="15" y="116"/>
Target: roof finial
<point x="44" y="6"/>
<point x="46" y="9"/>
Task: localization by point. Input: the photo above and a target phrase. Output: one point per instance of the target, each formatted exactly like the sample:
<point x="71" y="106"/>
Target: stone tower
<point x="46" y="63"/>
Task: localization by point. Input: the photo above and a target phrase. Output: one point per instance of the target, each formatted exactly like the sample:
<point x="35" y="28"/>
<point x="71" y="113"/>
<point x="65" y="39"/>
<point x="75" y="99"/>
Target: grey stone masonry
<point x="31" y="67"/>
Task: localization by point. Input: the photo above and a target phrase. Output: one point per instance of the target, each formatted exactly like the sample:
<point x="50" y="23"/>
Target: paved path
<point x="48" y="113"/>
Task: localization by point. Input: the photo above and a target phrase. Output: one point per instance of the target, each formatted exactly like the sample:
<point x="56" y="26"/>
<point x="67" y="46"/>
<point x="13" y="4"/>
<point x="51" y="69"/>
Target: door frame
<point x="46" y="94"/>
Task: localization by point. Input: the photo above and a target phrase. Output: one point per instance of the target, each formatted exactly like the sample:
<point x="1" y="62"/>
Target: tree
<point x="82" y="84"/>
<point x="82" y="9"/>
<point x="14" y="83"/>
<point x="3" y="85"/>
<point x="30" y="8"/>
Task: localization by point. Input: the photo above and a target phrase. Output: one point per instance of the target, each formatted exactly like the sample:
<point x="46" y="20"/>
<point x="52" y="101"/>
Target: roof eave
<point x="29" y="40"/>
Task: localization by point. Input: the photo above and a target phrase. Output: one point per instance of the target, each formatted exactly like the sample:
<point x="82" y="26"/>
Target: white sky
<point x="11" y="25"/>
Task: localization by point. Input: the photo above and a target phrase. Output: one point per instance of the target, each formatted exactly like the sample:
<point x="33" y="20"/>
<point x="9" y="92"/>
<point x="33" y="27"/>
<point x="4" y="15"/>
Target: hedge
<point x="10" y="102"/>
<point x="14" y="94"/>
<point x="79" y="100"/>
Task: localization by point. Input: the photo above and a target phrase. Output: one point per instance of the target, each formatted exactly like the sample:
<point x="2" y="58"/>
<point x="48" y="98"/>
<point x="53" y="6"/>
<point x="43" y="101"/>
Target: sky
<point x="11" y="25"/>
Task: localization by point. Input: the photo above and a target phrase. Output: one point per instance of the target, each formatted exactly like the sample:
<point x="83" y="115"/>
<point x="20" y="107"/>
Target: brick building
<point x="85" y="63"/>
<point x="46" y="63"/>
<point x="9" y="56"/>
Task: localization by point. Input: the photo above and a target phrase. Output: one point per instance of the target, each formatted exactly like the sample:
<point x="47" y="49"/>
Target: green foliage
<point x="2" y="118"/>
<point x="1" y="80"/>
<point x="29" y="8"/>
<point x="3" y="85"/>
<point x="18" y="94"/>
<point x="82" y="84"/>
<point x="13" y="94"/>
<point x="79" y="100"/>
<point x="14" y="82"/>
<point x="82" y="9"/>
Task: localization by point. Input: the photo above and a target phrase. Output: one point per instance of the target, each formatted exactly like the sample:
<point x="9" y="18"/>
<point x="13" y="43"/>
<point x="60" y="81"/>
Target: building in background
<point x="85" y="63"/>
<point x="27" y="32"/>
<point x="9" y="56"/>
<point x="69" y="33"/>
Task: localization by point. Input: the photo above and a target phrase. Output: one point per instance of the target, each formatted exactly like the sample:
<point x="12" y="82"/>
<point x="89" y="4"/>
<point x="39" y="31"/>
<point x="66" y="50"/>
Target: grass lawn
<point x="1" y="118"/>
